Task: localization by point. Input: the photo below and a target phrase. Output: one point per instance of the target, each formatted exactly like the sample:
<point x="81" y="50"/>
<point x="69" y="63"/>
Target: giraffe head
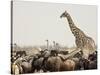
<point x="64" y="14"/>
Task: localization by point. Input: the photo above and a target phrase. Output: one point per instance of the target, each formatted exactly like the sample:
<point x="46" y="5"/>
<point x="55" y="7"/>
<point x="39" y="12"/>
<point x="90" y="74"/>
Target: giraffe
<point x="83" y="42"/>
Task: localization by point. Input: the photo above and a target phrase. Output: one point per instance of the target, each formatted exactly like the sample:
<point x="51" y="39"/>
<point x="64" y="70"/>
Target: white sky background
<point x="34" y="22"/>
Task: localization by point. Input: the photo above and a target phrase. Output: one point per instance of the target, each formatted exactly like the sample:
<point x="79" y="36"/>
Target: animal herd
<point x="83" y="58"/>
<point x="44" y="61"/>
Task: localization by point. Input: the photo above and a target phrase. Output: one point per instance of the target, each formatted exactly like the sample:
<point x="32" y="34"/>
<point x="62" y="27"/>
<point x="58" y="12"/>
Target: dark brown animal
<point x="67" y="65"/>
<point x="55" y="63"/>
<point x="63" y="52"/>
<point x="90" y="63"/>
<point x="21" y="53"/>
<point x="27" y="67"/>
<point x="37" y="64"/>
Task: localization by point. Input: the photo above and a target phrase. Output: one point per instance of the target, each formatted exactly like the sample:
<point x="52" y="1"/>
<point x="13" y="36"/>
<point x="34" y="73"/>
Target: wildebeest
<point x="63" y="52"/>
<point x="52" y="64"/>
<point x="27" y="64"/>
<point x="90" y="63"/>
<point x="48" y="61"/>
<point x="93" y="56"/>
<point x="22" y="65"/>
<point x="55" y="63"/>
<point x="93" y="60"/>
<point x="27" y="67"/>
<point x="21" y="53"/>
<point x="37" y="64"/>
<point x="67" y="65"/>
<point x="15" y="67"/>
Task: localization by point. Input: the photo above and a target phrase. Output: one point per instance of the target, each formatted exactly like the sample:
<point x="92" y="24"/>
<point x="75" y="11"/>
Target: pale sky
<point x="34" y="22"/>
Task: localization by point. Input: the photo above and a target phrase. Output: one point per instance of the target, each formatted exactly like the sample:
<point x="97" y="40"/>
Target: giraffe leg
<point x="85" y="53"/>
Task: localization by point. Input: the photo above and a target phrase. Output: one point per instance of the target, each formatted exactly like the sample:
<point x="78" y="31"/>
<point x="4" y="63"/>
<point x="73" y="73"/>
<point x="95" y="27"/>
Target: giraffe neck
<point x="75" y="31"/>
